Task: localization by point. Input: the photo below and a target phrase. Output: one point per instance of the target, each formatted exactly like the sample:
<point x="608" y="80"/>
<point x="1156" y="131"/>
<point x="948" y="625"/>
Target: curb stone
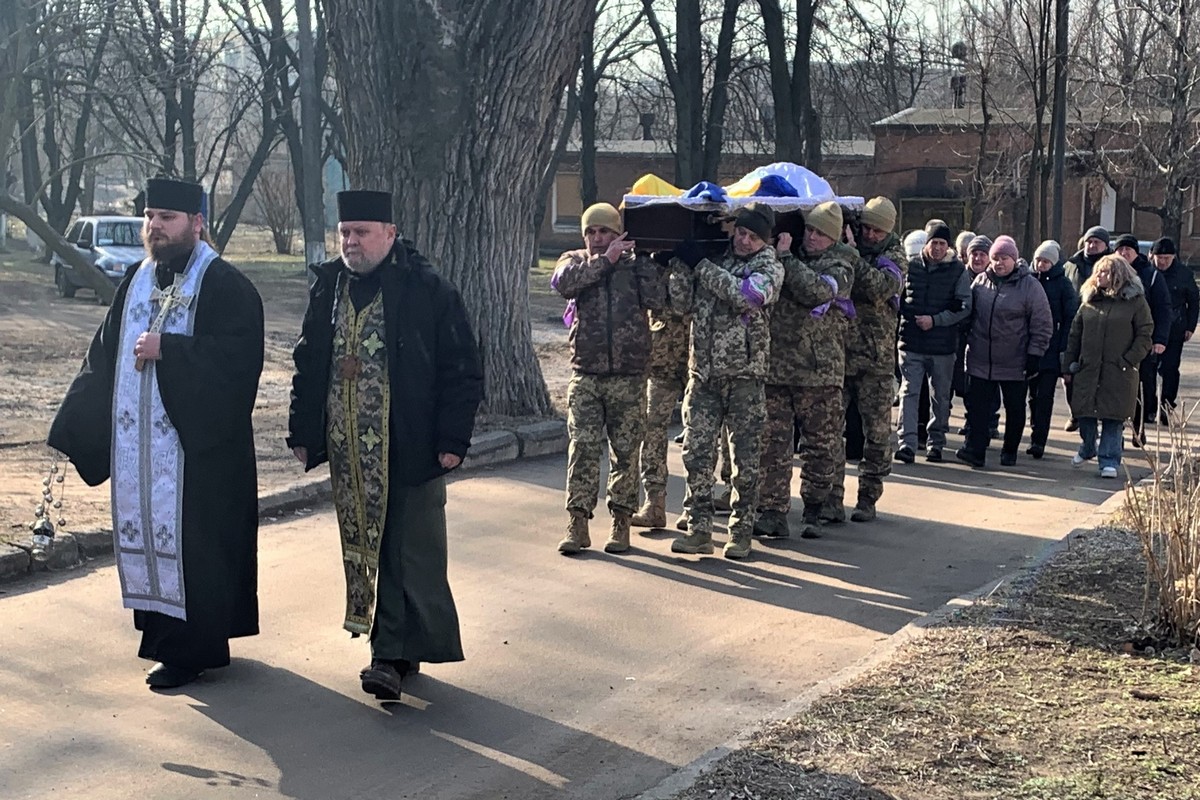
<point x="686" y="775"/>
<point x="547" y="437"/>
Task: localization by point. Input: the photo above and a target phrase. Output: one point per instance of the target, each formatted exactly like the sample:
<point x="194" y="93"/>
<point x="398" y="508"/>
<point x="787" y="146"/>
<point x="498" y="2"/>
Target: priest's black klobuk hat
<point x="363" y="205"/>
<point x="172" y="195"/>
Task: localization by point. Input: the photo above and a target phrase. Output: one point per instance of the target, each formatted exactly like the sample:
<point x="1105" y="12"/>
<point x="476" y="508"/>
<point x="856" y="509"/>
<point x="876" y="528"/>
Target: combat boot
<point x="863" y="512"/>
<point x="694" y="543"/>
<point x="722" y="498"/>
<point x="772" y="525"/>
<point x="812" y="521"/>
<point x="653" y="513"/>
<point x="737" y="547"/>
<point x="618" y="538"/>
<point x="833" y="511"/>
<point x="577" y="536"/>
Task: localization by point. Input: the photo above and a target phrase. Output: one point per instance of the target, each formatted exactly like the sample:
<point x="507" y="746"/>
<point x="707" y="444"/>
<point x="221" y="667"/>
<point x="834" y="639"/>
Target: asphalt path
<point x="586" y="677"/>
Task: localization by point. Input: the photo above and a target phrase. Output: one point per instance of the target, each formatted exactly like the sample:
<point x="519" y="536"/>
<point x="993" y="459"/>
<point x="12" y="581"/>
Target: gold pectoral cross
<point x="169" y="299"/>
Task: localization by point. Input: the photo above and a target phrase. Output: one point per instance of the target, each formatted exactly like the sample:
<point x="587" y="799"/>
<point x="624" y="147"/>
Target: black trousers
<point x="1147" y="402"/>
<point x="1041" y="405"/>
<point x="983" y="401"/>
<point x="196" y="644"/>
<point x="1168" y="368"/>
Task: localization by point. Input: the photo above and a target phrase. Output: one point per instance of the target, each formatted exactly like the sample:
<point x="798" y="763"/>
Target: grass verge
<point x="1043" y="690"/>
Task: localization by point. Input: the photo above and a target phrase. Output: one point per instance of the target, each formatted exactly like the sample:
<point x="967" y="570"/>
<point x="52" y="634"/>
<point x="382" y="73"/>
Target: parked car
<point x="111" y="244"/>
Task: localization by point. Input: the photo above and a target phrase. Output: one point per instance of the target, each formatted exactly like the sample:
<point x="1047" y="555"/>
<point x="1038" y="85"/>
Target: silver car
<point x="111" y="244"/>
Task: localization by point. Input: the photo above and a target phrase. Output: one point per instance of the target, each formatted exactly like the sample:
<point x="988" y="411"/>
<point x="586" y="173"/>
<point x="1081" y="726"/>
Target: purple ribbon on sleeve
<point x="844" y="303"/>
<point x="569" y="314"/>
<point x="889" y="266"/>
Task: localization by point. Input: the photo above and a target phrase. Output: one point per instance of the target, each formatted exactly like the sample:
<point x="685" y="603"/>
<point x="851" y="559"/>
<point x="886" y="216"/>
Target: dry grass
<point x="1043" y="690"/>
<point x="1165" y="513"/>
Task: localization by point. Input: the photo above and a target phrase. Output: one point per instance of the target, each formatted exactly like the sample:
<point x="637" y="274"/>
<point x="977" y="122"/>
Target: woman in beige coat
<point x="1110" y="336"/>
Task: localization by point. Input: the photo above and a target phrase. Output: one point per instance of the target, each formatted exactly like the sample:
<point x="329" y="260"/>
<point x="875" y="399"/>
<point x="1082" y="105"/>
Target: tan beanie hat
<point x="827" y="218"/>
<point x="601" y="214"/>
<point x="879" y="213"/>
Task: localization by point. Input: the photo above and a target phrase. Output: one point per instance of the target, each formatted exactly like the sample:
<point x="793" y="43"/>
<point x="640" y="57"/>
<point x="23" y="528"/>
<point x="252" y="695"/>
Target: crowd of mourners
<point x="781" y="346"/>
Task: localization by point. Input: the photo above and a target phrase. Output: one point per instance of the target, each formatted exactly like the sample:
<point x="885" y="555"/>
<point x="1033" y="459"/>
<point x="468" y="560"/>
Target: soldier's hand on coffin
<point x="784" y="243"/>
<point x="618" y="247"/>
<point x="849" y="236"/>
<point x="661" y="257"/>
<point x="148" y="347"/>
<point x="690" y="252"/>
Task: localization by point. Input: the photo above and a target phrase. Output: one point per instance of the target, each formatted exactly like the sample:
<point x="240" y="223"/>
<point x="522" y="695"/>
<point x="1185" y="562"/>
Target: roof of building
<point x="848" y="148"/>
<point x="972" y="117"/>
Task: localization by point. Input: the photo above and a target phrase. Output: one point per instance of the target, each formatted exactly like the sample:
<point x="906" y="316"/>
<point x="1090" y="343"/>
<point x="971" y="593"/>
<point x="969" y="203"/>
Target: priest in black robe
<point x="387" y="382"/>
<point x="162" y="405"/>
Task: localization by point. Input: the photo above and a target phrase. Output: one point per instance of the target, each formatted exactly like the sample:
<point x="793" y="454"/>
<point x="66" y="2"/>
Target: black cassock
<point x="208" y="382"/>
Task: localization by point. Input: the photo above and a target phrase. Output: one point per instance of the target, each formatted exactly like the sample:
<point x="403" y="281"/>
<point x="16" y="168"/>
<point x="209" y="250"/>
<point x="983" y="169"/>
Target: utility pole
<point x="313" y="190"/>
<point x="1059" y="119"/>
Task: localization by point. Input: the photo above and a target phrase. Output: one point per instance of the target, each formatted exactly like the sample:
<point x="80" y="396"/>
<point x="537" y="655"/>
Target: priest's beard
<point x="163" y="249"/>
<point x="359" y="265"/>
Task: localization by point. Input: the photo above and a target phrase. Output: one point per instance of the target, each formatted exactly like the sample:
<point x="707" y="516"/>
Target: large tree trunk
<point x="453" y="108"/>
<point x="94" y="278"/>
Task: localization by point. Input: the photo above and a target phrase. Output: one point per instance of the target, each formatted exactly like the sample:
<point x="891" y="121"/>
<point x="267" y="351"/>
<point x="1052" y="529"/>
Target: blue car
<point x="112" y="244"/>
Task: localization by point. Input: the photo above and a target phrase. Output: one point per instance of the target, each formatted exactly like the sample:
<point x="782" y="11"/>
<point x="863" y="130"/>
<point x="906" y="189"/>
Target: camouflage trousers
<point x="817" y="412"/>
<point x="735" y="404"/>
<point x="600" y="405"/>
<point x="662" y="392"/>
<point x="872" y="395"/>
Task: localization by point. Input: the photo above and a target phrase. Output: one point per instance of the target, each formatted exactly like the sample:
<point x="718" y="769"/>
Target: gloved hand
<point x="690" y="252"/>
<point x="1032" y="365"/>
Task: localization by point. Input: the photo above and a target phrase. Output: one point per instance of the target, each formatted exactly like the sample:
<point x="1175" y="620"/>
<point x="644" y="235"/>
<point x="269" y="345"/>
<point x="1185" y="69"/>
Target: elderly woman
<point x="1010" y="330"/>
<point x="1110" y="335"/>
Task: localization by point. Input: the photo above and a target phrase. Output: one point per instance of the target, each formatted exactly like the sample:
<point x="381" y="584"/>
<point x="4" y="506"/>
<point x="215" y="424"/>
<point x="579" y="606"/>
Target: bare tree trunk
<point x="542" y="193"/>
<point x="454" y="110"/>
<point x="787" y="127"/>
<point x="588" y="98"/>
<point x="689" y="98"/>
<point x="714" y="137"/>
<point x="810" y="120"/>
<point x="313" y="188"/>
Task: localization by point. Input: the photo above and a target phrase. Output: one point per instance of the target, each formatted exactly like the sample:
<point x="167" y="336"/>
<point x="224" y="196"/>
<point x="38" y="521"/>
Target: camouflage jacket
<point x="610" y="334"/>
<point x="728" y="301"/>
<point x="808" y="324"/>
<point x="871" y="341"/>
<point x="669" y="344"/>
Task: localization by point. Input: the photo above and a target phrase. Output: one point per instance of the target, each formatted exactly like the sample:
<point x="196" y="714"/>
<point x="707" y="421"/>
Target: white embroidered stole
<point x="147" y="459"/>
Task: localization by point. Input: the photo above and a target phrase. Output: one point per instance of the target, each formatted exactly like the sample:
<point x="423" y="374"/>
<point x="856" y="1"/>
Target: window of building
<point x="566" y="208"/>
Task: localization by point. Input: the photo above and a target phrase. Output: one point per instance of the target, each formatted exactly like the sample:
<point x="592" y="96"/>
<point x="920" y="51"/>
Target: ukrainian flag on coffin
<point x="783" y="179"/>
<point x="651" y="184"/>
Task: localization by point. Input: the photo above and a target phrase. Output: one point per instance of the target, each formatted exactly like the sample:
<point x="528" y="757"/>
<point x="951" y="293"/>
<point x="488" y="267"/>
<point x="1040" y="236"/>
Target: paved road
<point x="588" y="677"/>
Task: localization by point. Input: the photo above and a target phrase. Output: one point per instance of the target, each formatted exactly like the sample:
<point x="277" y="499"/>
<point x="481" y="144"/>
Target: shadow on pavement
<point x="328" y="745"/>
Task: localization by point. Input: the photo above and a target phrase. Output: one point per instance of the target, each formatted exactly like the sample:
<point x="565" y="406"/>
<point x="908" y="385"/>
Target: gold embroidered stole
<point x="358" y="410"/>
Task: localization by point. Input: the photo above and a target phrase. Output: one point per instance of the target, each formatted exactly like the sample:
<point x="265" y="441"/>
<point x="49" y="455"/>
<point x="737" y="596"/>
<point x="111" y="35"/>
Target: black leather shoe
<point x="166" y="676"/>
<point x="934" y="455"/>
<point x="381" y="679"/>
<point x="1008" y="459"/>
<point x="1036" y="450"/>
<point x="905" y="455"/>
<point x="963" y="454"/>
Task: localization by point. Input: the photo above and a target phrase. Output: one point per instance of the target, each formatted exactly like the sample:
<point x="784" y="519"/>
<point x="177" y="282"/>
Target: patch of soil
<point x="1030" y="693"/>
<point x="43" y="339"/>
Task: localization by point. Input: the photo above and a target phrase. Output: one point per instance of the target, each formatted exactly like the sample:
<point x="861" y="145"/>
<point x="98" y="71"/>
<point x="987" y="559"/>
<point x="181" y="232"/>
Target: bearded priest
<point x="162" y="407"/>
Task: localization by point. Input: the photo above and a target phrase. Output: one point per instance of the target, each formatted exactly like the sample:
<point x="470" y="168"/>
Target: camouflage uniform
<point x="610" y="350"/>
<point x="804" y="384"/>
<point x="870" y="366"/>
<point x="664" y="388"/>
<point x="730" y="348"/>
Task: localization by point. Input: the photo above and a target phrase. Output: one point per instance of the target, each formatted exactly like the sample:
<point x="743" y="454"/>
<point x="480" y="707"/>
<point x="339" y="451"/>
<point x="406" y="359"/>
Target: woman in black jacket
<point x="1064" y="302"/>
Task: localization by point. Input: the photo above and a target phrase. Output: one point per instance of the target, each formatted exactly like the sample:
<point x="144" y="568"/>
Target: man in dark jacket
<point x="387" y="383"/>
<point x="608" y="290"/>
<point x="1159" y="298"/>
<point x="936" y="298"/>
<point x="1185" y="308"/>
<point x="1064" y="302"/>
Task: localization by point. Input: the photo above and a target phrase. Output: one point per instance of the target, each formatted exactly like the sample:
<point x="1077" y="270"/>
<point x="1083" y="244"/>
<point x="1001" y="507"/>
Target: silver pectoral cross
<point x="170" y="299"/>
